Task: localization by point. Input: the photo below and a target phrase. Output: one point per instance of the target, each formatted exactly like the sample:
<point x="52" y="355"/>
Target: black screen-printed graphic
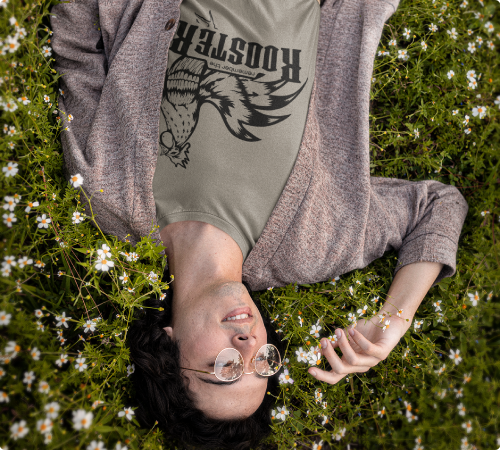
<point x="240" y="101"/>
<point x="242" y="98"/>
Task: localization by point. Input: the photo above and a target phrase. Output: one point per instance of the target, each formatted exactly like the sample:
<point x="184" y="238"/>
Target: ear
<point x="169" y="331"/>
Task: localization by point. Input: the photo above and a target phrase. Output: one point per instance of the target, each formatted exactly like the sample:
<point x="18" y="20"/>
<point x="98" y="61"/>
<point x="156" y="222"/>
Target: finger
<point x="367" y="346"/>
<point x="349" y="355"/>
<point x="338" y="365"/>
<point x="327" y="377"/>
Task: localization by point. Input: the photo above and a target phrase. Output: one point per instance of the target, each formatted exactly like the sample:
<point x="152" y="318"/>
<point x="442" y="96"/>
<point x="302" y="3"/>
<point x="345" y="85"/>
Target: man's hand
<point x="368" y="345"/>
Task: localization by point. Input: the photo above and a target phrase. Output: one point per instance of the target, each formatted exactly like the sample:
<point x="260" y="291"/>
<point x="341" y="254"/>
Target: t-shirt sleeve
<point x="421" y="220"/>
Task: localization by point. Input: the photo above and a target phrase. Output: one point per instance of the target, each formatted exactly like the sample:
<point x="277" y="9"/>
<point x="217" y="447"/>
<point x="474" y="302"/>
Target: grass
<point x="425" y="124"/>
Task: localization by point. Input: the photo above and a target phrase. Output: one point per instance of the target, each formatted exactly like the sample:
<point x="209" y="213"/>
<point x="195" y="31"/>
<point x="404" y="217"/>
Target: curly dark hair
<point x="161" y="395"/>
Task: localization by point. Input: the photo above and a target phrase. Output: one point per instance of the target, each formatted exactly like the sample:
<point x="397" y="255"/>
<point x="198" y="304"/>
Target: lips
<point x="238" y="311"/>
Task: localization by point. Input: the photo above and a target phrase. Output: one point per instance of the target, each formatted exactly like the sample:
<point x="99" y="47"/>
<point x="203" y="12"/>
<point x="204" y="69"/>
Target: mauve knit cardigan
<point x="332" y="216"/>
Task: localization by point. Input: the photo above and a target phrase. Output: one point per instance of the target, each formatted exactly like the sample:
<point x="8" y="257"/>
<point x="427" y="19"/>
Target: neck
<point x="199" y="256"/>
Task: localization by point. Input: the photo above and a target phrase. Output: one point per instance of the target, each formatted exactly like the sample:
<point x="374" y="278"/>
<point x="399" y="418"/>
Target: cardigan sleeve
<point x="421" y="220"/>
<point x="80" y="58"/>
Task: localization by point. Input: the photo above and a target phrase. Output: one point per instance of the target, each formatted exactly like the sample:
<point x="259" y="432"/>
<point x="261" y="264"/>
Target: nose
<point x="246" y="344"/>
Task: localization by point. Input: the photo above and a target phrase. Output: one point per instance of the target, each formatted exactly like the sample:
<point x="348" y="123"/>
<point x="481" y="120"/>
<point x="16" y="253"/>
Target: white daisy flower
<point x="77" y="217"/>
<point x="80" y="364"/>
<point x="104" y="252"/>
<point x="63" y="359"/>
<point x="152" y="277"/>
<point x="4" y="318"/>
<point x="301" y="355"/>
<point x="62" y="320"/>
<point x="44" y="221"/>
<point x="35" y="353"/>
<point x="4" y="397"/>
<point x="282" y="413"/>
<point x="24" y="100"/>
<point x="29" y="377"/>
<point x="43" y="387"/>
<point x="18" y="430"/>
<point x="52" y="409"/>
<point x="12" y="348"/>
<point x="363" y="310"/>
<point x="314" y="331"/>
<point x="10" y="261"/>
<point x="31" y="205"/>
<point x="479" y="110"/>
<point x="76" y="180"/>
<point x="433" y="28"/>
<point x="339" y="435"/>
<point x="403" y="54"/>
<point x="314" y="356"/>
<point x="474" y="298"/>
<point x="127" y="412"/>
<point x="82" y="419"/>
<point x="454" y="355"/>
<point x="124" y="278"/>
<point x="285" y="377"/>
<point x="9" y="204"/>
<point x="89" y="326"/>
<point x="10" y="169"/>
<point x="104" y="264"/>
<point x="24" y="262"/>
<point x="453" y="33"/>
<point x="9" y="219"/>
<point x="44" y="425"/>
<point x="468" y="426"/>
<point x="130" y="369"/>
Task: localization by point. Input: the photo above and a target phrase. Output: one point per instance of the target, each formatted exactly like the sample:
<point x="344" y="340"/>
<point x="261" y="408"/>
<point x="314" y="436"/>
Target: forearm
<point x="409" y="287"/>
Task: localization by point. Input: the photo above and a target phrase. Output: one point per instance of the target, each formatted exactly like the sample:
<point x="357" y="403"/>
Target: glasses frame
<point x="242" y="373"/>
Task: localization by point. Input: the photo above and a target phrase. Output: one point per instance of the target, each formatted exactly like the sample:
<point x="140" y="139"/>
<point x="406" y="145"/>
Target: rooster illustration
<point x="239" y="100"/>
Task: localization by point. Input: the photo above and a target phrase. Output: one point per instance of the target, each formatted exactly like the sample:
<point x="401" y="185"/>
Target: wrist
<point x="396" y="315"/>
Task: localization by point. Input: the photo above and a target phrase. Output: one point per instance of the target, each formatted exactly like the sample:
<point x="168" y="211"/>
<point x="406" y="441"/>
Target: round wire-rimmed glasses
<point x="229" y="364"/>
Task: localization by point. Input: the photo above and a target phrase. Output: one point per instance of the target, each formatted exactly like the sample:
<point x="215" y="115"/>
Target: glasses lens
<point x="229" y="365"/>
<point x="267" y="360"/>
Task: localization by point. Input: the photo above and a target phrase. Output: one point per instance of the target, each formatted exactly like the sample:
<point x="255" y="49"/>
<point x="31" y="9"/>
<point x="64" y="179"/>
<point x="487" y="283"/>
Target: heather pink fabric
<point x="332" y="216"/>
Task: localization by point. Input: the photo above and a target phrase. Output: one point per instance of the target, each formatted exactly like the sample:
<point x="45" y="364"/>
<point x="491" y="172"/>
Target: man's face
<point x="199" y="326"/>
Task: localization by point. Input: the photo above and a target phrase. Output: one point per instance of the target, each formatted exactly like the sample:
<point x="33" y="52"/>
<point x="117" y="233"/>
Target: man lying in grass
<point x="241" y="130"/>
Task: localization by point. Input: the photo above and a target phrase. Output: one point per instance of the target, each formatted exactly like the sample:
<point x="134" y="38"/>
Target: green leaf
<point x="104" y="429"/>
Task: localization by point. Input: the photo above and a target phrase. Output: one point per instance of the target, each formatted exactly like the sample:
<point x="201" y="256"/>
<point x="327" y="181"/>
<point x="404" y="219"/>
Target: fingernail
<point x="312" y="372"/>
<point x="351" y="331"/>
<point x="323" y="344"/>
<point x="338" y="332"/>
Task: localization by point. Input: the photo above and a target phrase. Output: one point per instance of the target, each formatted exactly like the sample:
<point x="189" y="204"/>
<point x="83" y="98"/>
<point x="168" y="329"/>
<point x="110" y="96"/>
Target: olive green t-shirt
<point x="234" y="107"/>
